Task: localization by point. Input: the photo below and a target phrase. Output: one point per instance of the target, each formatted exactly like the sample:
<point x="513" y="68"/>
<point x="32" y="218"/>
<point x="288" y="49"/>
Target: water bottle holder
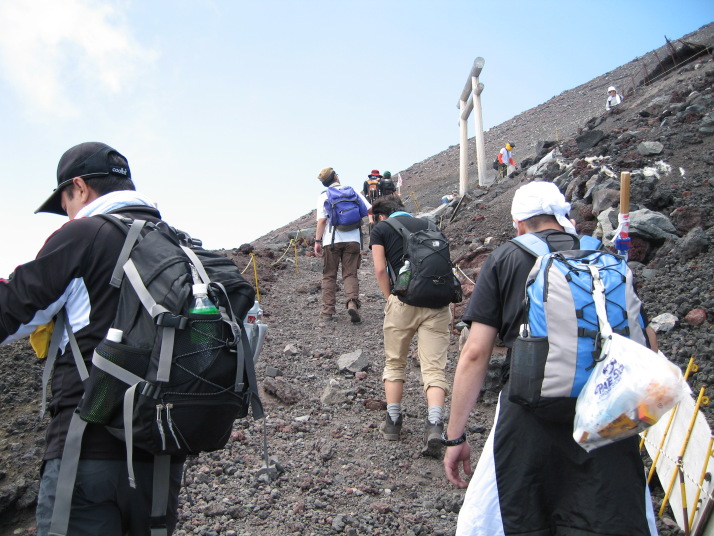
<point x="197" y="347"/>
<point x="103" y="393"/>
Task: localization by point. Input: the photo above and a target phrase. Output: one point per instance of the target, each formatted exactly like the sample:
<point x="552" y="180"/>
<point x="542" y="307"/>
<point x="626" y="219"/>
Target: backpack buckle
<point x="169" y="320"/>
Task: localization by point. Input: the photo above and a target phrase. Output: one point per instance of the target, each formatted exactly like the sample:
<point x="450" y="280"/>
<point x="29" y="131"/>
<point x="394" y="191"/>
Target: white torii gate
<point x="471" y="100"/>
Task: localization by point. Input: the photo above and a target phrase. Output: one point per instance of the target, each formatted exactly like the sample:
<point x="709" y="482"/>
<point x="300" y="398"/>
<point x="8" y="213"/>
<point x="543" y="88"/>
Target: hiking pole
<point x="622" y="234"/>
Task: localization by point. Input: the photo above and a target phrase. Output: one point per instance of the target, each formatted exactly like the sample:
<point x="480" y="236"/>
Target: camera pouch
<point x="528" y="358"/>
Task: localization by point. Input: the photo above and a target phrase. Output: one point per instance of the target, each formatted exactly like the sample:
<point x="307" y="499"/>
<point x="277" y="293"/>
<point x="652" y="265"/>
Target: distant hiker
<point x="372" y="188"/>
<point x="339" y="236"/>
<point x="613" y="98"/>
<point x="532" y="478"/>
<point x="505" y="157"/>
<point x="448" y="198"/>
<point x="72" y="272"/>
<point x="386" y="185"/>
<point x="402" y="320"/>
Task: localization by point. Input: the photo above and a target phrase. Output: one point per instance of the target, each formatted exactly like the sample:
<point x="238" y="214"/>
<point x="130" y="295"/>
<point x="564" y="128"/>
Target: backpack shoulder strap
<point x="532" y="244"/>
<point x="133" y="233"/>
<point x="590" y="243"/>
<point x="399" y="227"/>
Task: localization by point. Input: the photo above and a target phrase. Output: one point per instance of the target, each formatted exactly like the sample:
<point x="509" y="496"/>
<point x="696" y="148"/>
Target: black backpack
<point x="433" y="282"/>
<point x="176" y="381"/>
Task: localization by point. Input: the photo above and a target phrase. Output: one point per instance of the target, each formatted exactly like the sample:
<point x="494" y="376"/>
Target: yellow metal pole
<point x="695" y="506"/>
<point x="297" y="270"/>
<point x="416" y="202"/>
<point x="700" y="398"/>
<point x="683" y="492"/>
<point x="691" y="367"/>
<point x="255" y="272"/>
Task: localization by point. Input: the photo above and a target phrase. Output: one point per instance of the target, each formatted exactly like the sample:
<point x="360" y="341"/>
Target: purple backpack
<point x="344" y="208"/>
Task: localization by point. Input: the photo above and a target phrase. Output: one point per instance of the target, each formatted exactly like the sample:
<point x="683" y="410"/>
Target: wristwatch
<point x="452" y="442"/>
<point x="319" y="240"/>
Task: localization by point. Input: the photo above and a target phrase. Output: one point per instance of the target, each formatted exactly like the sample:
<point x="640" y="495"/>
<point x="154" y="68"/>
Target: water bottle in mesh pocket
<point x="104" y="393"/>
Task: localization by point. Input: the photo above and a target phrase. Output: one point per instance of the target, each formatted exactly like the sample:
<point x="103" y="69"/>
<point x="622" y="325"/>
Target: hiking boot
<point x="432" y="439"/>
<point x="390" y="429"/>
<point x="353" y="312"/>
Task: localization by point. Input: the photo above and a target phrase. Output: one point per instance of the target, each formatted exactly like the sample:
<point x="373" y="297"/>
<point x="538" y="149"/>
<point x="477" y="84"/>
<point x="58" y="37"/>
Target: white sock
<point x="394" y="410"/>
<point x="436" y="414"/>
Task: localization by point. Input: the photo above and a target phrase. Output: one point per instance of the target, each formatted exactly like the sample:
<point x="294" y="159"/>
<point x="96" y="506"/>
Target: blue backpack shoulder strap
<point x="532" y="244"/>
<point x="590" y="243"/>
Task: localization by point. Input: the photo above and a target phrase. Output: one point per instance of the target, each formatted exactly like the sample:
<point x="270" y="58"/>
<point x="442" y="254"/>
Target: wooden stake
<point x="625" y="192"/>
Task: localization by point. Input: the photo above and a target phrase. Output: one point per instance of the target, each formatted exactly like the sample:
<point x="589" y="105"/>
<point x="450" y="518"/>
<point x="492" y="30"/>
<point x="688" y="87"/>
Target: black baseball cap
<point x="87" y="160"/>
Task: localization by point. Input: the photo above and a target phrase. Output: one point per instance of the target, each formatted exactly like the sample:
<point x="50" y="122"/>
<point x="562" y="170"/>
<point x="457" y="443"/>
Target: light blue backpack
<point x="559" y="340"/>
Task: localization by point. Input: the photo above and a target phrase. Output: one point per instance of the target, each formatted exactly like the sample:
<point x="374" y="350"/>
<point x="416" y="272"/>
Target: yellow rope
<point x="255" y="272"/>
<point x="284" y="252"/>
<point x="462" y="273"/>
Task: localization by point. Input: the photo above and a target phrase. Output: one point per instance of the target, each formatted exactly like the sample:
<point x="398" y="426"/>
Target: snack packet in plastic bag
<point x="627" y="392"/>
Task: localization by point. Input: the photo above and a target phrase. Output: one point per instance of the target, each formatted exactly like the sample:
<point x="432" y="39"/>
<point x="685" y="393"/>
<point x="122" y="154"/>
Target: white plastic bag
<point x="627" y="392"/>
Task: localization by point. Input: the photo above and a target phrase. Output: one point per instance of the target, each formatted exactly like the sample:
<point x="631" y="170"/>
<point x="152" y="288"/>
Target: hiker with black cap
<point x="532" y="477"/>
<point x="71" y="273"/>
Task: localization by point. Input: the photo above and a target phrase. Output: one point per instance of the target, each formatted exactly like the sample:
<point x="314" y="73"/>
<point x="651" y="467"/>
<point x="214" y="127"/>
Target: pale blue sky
<point x="228" y="110"/>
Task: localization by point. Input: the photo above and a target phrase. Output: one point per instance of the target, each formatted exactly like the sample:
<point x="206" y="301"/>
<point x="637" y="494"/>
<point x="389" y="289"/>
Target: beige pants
<point x="401" y="323"/>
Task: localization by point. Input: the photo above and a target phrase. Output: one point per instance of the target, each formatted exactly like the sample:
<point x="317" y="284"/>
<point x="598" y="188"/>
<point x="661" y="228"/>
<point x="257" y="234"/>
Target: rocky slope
<point x="335" y="473"/>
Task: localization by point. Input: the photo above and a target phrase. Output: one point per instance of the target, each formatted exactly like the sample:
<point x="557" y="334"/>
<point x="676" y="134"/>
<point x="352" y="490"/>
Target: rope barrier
<point x="255" y="272"/>
<point x="462" y="273"/>
<point x="290" y="244"/>
<point x="674" y="462"/>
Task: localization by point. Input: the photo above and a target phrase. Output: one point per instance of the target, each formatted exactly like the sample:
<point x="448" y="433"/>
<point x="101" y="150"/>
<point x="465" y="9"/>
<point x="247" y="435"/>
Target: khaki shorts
<point x="401" y="323"/>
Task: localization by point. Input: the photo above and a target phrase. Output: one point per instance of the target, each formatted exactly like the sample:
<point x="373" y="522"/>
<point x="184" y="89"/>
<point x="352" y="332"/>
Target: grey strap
<point x="115" y="370"/>
<point x="129" y="432"/>
<point x="600" y="304"/>
<point x="142" y="292"/>
<point x="160" y="493"/>
<point x="242" y="354"/>
<point x="78" y="359"/>
<point x="67" y="476"/>
<point x="167" y="349"/>
<point x="197" y="264"/>
<point x="55" y="340"/>
<point x="131" y="237"/>
<point x="154" y="309"/>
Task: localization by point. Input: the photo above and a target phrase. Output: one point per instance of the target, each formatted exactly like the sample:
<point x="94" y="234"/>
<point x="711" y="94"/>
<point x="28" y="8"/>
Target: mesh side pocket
<point x="103" y="393"/>
<point x="196" y="347"/>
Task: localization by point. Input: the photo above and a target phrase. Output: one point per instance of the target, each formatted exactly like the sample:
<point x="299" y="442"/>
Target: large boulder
<point x="687" y="218"/>
<point x="651" y="225"/>
<point x="649" y="148"/>
<point x="588" y="140"/>
<point x="693" y="243"/>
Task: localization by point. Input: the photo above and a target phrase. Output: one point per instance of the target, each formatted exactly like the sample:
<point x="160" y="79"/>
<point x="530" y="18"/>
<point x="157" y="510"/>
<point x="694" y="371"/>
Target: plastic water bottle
<point x="255" y="314"/>
<point x="403" y="278"/>
<point x="202" y="305"/>
<point x="114" y="335"/>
